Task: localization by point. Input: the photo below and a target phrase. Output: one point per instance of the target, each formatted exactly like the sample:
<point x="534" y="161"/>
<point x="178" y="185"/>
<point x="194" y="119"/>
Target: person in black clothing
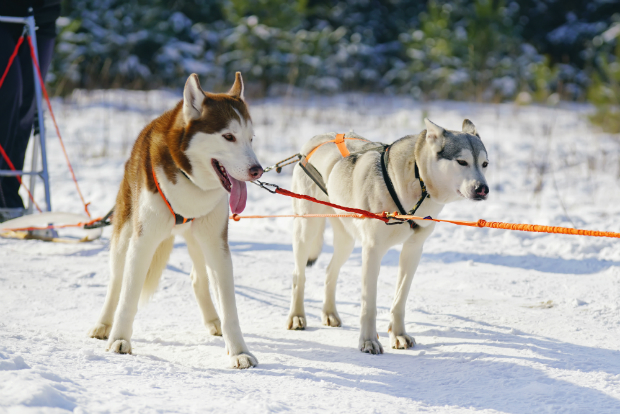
<point x="17" y="94"/>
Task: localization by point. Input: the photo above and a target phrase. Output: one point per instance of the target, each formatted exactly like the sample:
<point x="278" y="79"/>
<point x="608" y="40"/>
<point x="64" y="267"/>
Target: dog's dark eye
<point x="462" y="162"/>
<point x="485" y="164"/>
<point x="229" y="137"/>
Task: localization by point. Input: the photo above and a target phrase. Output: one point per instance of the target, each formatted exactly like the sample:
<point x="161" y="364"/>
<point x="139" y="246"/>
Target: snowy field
<point x="505" y="321"/>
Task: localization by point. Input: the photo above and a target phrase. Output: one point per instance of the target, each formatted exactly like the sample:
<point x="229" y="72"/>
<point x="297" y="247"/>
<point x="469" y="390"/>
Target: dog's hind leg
<point x="118" y="251"/>
<point x="408" y="263"/>
<point x="307" y="244"/>
<point x="343" y="246"/>
<point x="200" y="283"/>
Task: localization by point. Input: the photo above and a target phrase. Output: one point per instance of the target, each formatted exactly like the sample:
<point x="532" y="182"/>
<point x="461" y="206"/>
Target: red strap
<point x="49" y="105"/>
<point x="19" y="178"/>
<point x="11" y="59"/>
<point x="174" y="216"/>
<point x="2" y="152"/>
<point x="364" y="213"/>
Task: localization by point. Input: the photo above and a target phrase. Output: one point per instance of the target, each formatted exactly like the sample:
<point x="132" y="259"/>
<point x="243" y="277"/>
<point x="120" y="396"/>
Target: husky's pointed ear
<point x="469" y="127"/>
<point x="434" y="135"/>
<point x="193" y="98"/>
<point x="237" y="89"/>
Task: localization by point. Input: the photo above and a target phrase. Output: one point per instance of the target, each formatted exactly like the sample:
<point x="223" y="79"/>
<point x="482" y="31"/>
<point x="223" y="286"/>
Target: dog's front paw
<point x="214" y="327"/>
<point x="100" y="331"/>
<point x="296" y="322"/>
<point x="331" y="319"/>
<point x="120" y="346"/>
<point x="402" y="341"/>
<point x="370" y="346"/>
<point x="243" y="361"/>
<point x="398" y="337"/>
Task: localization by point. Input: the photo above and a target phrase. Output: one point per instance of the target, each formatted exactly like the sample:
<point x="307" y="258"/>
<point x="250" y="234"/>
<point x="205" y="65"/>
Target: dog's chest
<point x="189" y="200"/>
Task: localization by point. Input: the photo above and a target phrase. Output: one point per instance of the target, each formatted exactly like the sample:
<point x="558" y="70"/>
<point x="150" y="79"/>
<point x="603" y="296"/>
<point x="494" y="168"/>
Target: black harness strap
<point x="424" y="194"/>
<point x="179" y="219"/>
<point x="390" y="186"/>
<point x="105" y="221"/>
<point x="388" y="182"/>
<point x="314" y="174"/>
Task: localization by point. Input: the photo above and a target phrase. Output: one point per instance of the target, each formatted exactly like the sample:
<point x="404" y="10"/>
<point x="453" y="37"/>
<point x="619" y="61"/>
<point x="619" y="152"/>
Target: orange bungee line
<point x="534" y="228"/>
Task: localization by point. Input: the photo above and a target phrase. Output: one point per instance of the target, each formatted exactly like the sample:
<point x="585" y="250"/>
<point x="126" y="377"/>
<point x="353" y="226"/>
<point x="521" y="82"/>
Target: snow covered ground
<point x="505" y="321"/>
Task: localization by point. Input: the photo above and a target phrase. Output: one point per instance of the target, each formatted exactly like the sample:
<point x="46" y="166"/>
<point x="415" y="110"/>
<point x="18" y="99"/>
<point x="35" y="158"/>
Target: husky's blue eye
<point x="229" y="137"/>
<point x="462" y="162"/>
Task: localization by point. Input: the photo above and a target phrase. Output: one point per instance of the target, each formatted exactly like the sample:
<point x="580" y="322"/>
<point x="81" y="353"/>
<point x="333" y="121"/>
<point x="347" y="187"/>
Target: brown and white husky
<point x="185" y="165"/>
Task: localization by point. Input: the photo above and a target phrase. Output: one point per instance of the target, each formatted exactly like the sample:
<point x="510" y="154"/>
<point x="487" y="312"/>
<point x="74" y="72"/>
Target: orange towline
<point x="533" y="228"/>
<point x="55" y="226"/>
<point x="385" y="217"/>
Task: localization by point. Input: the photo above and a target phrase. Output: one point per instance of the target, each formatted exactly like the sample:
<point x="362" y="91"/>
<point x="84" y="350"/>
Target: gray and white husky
<point x="452" y="164"/>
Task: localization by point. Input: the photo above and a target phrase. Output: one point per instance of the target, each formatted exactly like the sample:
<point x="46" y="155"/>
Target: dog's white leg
<point x="118" y="251"/>
<point x="200" y="283"/>
<point x="307" y="235"/>
<point x="211" y="232"/>
<point x="409" y="259"/>
<point x="343" y="246"/>
<point x="140" y="251"/>
<point x="371" y="265"/>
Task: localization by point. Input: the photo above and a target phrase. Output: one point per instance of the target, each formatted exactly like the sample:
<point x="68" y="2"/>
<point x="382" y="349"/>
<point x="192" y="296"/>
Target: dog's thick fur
<point x="200" y="151"/>
<point x="452" y="165"/>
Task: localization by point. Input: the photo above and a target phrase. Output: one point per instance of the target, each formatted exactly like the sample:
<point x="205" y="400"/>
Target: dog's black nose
<point x="256" y="172"/>
<point x="482" y="190"/>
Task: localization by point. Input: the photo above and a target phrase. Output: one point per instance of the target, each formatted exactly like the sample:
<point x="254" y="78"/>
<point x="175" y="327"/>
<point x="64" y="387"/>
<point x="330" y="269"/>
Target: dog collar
<point x="390" y="186"/>
<point x="178" y="219"/>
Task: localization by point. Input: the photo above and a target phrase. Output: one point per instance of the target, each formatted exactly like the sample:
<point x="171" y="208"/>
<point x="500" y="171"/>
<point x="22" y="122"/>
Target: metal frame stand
<point x="37" y="144"/>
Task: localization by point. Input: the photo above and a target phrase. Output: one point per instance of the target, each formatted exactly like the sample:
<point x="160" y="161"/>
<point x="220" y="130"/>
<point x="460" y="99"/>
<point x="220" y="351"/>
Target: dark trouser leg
<point x="10" y="102"/>
<point x="18" y="141"/>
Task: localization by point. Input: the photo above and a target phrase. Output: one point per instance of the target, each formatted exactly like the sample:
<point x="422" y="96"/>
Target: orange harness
<point x="312" y="172"/>
<point x="339" y="141"/>
<point x="178" y="219"/>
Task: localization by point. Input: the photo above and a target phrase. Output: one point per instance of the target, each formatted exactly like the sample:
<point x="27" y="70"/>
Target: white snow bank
<point x="505" y="321"/>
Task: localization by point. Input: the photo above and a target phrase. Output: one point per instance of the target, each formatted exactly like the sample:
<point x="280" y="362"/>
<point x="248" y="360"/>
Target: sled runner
<point x="36" y="227"/>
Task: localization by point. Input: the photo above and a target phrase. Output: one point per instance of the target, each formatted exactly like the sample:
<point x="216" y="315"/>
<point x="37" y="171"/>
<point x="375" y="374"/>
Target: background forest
<point x="482" y="50"/>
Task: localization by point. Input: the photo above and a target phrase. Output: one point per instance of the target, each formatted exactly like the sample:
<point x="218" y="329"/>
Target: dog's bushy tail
<point x="315" y="245"/>
<point x="158" y="264"/>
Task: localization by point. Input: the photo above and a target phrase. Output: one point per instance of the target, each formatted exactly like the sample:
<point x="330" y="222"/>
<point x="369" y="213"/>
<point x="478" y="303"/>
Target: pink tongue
<point x="238" y="195"/>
